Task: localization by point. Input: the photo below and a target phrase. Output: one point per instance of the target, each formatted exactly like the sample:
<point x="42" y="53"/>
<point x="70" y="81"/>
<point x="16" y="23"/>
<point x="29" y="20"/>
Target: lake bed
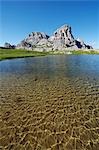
<point x="50" y="102"/>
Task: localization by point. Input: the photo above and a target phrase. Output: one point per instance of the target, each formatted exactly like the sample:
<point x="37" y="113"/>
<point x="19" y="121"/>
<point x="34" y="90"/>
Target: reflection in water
<point x="50" y="102"/>
<point x="53" y="65"/>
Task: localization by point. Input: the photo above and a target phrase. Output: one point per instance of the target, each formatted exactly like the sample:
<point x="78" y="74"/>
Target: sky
<point x="18" y="18"/>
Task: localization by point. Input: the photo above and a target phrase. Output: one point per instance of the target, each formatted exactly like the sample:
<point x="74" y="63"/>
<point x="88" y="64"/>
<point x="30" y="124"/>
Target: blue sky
<point x="19" y="18"/>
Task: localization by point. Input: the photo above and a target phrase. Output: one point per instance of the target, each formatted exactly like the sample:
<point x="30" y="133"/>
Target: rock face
<point x="33" y="40"/>
<point x="9" y="46"/>
<point x="62" y="39"/>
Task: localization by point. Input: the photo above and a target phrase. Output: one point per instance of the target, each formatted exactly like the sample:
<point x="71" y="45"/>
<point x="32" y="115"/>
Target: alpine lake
<point x="50" y="103"/>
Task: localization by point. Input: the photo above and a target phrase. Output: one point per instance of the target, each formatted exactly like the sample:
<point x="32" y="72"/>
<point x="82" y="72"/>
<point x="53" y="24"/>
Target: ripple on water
<point x="41" y="112"/>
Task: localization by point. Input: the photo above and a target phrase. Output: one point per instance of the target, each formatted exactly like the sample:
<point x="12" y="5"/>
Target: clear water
<point x="50" y="102"/>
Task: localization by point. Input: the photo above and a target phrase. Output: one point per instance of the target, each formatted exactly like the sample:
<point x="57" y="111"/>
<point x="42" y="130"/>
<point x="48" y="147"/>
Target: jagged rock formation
<point x="62" y="39"/>
<point x="33" y="40"/>
<point x="9" y="46"/>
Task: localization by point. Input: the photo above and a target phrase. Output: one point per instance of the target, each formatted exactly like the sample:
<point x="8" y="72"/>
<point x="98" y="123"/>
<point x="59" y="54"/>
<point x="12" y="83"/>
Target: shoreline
<point x="6" y="54"/>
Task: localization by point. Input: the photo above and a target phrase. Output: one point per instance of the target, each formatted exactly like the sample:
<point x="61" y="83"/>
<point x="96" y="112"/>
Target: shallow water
<point x="50" y="103"/>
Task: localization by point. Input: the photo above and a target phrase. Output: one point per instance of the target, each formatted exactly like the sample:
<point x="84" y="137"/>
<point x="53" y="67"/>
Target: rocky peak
<point x="35" y="37"/>
<point x="39" y="35"/>
<point x="64" y="32"/>
<point x="32" y="40"/>
<point x="61" y="39"/>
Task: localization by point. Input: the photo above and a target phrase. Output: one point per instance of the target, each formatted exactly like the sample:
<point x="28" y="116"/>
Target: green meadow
<point x="20" y="53"/>
<point x="78" y="52"/>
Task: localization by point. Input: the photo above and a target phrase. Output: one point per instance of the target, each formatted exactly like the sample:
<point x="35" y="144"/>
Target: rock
<point x="33" y="39"/>
<point x="44" y="43"/>
<point x="89" y="47"/>
<point x="35" y="79"/>
<point x="9" y="46"/>
<point x="64" y="33"/>
<point x="24" y="45"/>
<point x="51" y="38"/>
<point x="62" y="39"/>
<point x="80" y="43"/>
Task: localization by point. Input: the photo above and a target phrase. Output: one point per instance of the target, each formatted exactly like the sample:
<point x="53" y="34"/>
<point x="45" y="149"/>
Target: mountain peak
<point x="62" y="39"/>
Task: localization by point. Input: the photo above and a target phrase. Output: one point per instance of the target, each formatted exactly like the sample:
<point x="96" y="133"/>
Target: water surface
<point x="50" y="102"/>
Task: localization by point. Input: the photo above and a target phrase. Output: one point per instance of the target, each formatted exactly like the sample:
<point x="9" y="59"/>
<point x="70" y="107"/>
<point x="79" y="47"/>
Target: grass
<point x="19" y="53"/>
<point x="79" y="52"/>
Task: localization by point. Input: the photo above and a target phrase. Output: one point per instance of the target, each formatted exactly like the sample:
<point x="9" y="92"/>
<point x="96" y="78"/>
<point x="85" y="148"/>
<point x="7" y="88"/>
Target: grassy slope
<point x="14" y="53"/>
